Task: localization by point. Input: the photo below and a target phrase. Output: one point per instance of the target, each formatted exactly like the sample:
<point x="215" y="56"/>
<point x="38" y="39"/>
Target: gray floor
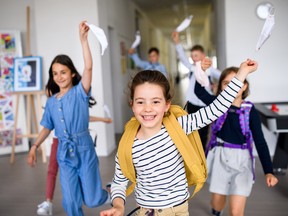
<point x="22" y="188"/>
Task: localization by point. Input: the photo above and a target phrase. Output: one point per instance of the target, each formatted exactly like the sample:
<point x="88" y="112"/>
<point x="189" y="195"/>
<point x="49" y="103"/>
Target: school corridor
<point x="227" y="29"/>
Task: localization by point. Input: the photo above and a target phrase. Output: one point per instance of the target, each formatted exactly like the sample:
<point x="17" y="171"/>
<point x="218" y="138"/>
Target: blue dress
<point x="78" y="162"/>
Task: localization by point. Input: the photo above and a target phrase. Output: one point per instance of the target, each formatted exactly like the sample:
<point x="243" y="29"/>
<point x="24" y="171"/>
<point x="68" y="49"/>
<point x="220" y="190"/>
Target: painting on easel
<point x="27" y="74"/>
<point x="10" y="48"/>
<point x="6" y="126"/>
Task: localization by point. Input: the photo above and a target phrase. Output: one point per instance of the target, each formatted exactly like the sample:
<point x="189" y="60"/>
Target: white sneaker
<point x="108" y="200"/>
<point x="45" y="208"/>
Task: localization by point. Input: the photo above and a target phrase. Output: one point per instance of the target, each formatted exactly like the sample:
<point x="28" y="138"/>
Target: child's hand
<point x="32" y="158"/>
<point x="246" y="67"/>
<point x="83" y="30"/>
<point x="175" y="37"/>
<point x="271" y="180"/>
<point x="131" y="51"/>
<point x="206" y="63"/>
<point x="112" y="212"/>
<point x="108" y="120"/>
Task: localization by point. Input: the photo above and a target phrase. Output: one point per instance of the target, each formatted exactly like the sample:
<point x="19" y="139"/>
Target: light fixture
<point x="263" y="9"/>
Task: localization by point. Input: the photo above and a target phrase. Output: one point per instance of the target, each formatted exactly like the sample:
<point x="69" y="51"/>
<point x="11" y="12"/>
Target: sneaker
<point x="108" y="189"/>
<point x="108" y="200"/>
<point x="45" y="208"/>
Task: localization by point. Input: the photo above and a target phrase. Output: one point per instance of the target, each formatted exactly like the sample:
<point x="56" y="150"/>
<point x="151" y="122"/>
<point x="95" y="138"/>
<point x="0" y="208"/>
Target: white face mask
<point x="185" y="23"/>
<point x="137" y="40"/>
<point x="267" y="29"/>
<point x="100" y="35"/>
<point x="200" y="75"/>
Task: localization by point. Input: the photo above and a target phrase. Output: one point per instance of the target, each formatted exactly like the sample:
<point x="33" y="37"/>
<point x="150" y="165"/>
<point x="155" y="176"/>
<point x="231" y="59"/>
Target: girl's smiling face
<point x="149" y="106"/>
<point x="62" y="76"/>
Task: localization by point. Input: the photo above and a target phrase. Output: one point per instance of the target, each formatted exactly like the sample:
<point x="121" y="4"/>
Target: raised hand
<point x="246" y="67"/>
<point x="175" y="37"/>
<point x="131" y="51"/>
<point x="83" y="30"/>
<point x="206" y="63"/>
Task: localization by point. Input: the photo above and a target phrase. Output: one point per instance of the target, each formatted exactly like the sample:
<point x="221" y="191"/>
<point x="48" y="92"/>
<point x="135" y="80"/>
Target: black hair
<point x="154" y="49"/>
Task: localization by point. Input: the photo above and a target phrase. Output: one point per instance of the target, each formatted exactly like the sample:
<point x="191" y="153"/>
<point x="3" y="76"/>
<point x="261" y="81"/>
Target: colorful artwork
<point x="7" y="126"/>
<point x="27" y="74"/>
<point x="7" y="42"/>
<point x="6" y="73"/>
<point x="10" y="48"/>
<point x="6" y="112"/>
<point x="6" y="139"/>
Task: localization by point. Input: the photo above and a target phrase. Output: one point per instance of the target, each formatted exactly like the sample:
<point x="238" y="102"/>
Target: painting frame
<point x="27" y="74"/>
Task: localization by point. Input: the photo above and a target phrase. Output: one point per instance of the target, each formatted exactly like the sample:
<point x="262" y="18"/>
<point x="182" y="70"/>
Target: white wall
<point x="54" y="30"/>
<point x="9" y="21"/>
<point x="238" y="32"/>
<point x="243" y="28"/>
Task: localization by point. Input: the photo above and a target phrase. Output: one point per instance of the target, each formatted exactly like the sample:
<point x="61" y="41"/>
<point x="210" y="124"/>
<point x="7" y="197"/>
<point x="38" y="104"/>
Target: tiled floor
<point x="22" y="188"/>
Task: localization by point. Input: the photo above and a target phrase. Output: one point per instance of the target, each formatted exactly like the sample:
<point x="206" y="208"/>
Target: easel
<point x="29" y="98"/>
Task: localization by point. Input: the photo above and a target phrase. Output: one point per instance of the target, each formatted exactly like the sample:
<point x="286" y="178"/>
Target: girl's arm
<point x="262" y="148"/>
<point x="138" y="61"/>
<point x="118" y="192"/>
<point x="180" y="51"/>
<point x="96" y="119"/>
<point x="87" y="73"/>
<point x="221" y="104"/>
<point x="32" y="159"/>
<point x="202" y="94"/>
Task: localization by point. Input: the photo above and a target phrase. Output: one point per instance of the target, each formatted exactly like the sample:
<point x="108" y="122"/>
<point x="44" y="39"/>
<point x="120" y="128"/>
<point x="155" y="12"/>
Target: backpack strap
<point x="244" y="119"/>
<point x="125" y="152"/>
<point x="216" y="126"/>
<point x="190" y="148"/>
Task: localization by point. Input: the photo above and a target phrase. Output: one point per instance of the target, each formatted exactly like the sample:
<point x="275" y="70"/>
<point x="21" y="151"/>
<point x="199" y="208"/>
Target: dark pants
<point x="203" y="132"/>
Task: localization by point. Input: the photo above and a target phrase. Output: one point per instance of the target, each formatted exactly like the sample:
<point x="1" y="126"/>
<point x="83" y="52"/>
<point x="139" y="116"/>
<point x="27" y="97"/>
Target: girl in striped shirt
<point x="161" y="184"/>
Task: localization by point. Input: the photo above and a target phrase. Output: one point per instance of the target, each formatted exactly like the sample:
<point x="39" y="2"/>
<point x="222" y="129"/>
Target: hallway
<point x="23" y="188"/>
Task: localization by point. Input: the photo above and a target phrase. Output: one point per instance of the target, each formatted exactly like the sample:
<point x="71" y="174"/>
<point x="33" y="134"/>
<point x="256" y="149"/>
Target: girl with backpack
<point x="154" y="161"/>
<point x="230" y="159"/>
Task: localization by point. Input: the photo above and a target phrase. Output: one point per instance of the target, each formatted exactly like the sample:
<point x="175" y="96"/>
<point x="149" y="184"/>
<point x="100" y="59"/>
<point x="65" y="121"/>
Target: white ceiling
<point x="167" y="14"/>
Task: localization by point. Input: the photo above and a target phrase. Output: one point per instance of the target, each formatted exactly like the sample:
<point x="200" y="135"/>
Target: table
<point x="276" y="121"/>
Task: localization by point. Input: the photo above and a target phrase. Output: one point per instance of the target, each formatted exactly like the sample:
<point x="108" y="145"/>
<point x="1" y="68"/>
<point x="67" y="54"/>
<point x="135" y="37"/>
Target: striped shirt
<point x="160" y="172"/>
